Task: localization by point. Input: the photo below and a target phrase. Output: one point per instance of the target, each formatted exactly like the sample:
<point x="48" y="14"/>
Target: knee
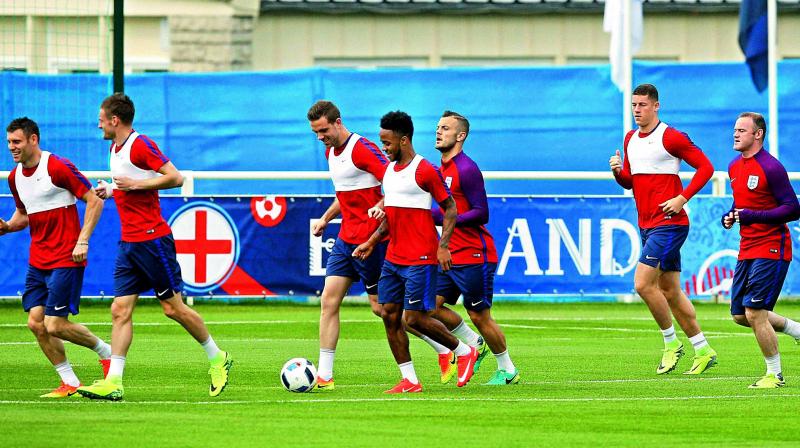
<point x="377" y="309"/>
<point x="174" y="312"/>
<point x="54" y="327"/>
<point x="752" y="315"/>
<point x="671" y="293"/>
<point x="120" y="312"/>
<point x="479" y="318"/>
<point x="329" y="307"/>
<point x="740" y="319"/>
<point x="411" y="319"/>
<point x="389" y="315"/>
<point x="644" y="289"/>
<point x="36" y="326"/>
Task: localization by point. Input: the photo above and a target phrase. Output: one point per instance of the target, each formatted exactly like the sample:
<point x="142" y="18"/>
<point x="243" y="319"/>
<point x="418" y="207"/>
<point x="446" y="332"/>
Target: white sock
<point x="698" y="341"/>
<point x="326" y="356"/>
<point x="669" y="334"/>
<point x="773" y="364"/>
<point x="791" y="328"/>
<point x="67" y="375"/>
<point x="440" y="349"/>
<point x="462" y="349"/>
<point x="210" y="347"/>
<point x="504" y="362"/>
<point x="117" y="366"/>
<point x="407" y="370"/>
<point x="466" y="334"/>
<point x="102" y="349"/>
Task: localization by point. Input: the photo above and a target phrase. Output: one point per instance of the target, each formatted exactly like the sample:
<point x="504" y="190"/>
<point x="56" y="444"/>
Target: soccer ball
<point x="299" y="375"/>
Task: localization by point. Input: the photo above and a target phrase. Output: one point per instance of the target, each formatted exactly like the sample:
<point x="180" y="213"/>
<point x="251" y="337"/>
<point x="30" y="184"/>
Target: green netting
<point x="63" y="39"/>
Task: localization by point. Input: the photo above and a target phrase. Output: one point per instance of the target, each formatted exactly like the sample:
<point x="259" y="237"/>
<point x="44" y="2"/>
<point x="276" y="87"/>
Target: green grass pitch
<point x="588" y="379"/>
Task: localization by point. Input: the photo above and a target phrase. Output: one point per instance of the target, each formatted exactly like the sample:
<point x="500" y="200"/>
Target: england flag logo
<point x="207" y="245"/>
<point x="752" y="182"/>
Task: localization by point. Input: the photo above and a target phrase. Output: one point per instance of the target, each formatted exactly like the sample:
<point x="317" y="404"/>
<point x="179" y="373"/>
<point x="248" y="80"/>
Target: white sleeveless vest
<point x="37" y="192"/>
<point x="401" y="189"/>
<point x="120" y="162"/>
<point x="647" y="155"/>
<point x="344" y="173"/>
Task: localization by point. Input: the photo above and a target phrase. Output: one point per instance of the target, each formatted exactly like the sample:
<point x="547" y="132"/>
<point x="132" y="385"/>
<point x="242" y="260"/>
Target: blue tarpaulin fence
<point x="560" y="118"/>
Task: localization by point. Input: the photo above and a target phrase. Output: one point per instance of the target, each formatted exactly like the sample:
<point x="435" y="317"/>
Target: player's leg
<point x="657" y="244"/>
<point x="332" y="295"/>
<point x="779" y="323"/>
<point x="764" y="282"/>
<point x="768" y="343"/>
<point x="374" y="306"/>
<point x="220" y="362"/>
<point x="683" y="310"/>
<point x="419" y="303"/>
<point x="680" y="305"/>
<point x="110" y="387"/>
<point x="128" y="283"/>
<point x="392" y="287"/>
<point x="475" y="282"/>
<point x="340" y="271"/>
<point x="646" y="284"/>
<point x="157" y="259"/>
<point x="34" y="302"/>
<point x="64" y="286"/>
<point x="53" y="349"/>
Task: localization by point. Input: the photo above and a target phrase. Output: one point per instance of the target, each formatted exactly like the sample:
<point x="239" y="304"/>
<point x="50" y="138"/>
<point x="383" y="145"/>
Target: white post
<point x="188" y="183"/>
<point x="627" y="69"/>
<point x="772" y="32"/>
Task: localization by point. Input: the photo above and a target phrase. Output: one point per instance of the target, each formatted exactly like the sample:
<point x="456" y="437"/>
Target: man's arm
<point x="788" y="208"/>
<point x="94" y="208"/>
<point x="729" y="217"/>
<point x="170" y="178"/>
<point x="622" y="168"/>
<point x="364" y="250"/>
<point x="332" y="212"/>
<point x="443" y="253"/>
<point x="474" y="189"/>
<point x="679" y="145"/>
<point x="18" y="221"/>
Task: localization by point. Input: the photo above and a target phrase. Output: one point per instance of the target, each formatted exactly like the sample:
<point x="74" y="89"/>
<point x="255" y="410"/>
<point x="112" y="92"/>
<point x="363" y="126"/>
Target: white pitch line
<point x="420" y="399"/>
<point x="626" y="330"/>
<point x="524" y="383"/>
<point x="367" y="321"/>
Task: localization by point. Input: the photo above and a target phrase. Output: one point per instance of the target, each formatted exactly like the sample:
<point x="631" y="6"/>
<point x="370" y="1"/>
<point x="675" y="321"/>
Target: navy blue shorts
<point x="342" y="263"/>
<point x="57" y="290"/>
<point x="147" y="265"/>
<point x="661" y="247"/>
<point x="413" y="286"/>
<point x="757" y="284"/>
<point x="474" y="281"/>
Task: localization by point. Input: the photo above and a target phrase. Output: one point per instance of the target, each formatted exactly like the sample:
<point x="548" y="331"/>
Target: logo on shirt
<point x="752" y="182"/>
<point x="449" y="181"/>
<point x="268" y="211"/>
<point x="206" y="243"/>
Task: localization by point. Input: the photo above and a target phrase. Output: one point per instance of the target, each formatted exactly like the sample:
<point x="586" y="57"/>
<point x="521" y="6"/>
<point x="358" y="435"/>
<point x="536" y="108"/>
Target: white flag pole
<point x="772" y="77"/>
<point x="626" y="67"/>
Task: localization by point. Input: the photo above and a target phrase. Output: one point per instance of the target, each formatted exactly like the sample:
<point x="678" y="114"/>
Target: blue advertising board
<point x="263" y="246"/>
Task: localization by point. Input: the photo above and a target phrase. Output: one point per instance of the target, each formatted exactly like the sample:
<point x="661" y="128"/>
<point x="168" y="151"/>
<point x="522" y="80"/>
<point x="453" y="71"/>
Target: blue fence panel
<point x="264" y="246"/>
